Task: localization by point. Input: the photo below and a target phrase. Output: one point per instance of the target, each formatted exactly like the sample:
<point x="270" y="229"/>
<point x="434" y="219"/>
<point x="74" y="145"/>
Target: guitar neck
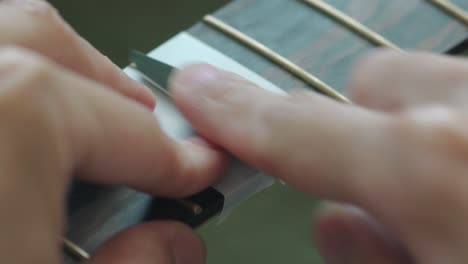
<point x="321" y="45"/>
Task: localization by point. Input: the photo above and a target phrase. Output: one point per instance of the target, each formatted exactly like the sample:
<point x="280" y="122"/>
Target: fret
<point x="352" y="24"/>
<point x="75" y="251"/>
<point x="451" y="9"/>
<point x="275" y="57"/>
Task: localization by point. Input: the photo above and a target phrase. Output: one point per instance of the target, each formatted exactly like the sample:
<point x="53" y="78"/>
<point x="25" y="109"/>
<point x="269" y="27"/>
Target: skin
<point x="394" y="163"/>
<point x="399" y="156"/>
<point x="66" y="111"/>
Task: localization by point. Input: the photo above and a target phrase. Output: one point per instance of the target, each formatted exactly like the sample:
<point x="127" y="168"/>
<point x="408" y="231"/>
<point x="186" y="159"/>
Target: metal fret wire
<point x="451" y="9"/>
<point x="76" y="250"/>
<point x="352" y="24"/>
<point x="275" y="57"/>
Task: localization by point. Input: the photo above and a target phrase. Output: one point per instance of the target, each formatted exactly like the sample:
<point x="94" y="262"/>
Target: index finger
<point x="322" y="147"/>
<point x="309" y="141"/>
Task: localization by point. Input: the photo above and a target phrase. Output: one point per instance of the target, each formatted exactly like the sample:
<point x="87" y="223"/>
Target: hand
<point x="400" y="154"/>
<point x="66" y="110"/>
<point x="35" y="25"/>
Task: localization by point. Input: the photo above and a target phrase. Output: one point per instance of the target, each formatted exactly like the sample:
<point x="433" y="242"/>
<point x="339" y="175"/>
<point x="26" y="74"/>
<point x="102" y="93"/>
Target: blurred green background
<point x="114" y="26"/>
<point x="272" y="227"/>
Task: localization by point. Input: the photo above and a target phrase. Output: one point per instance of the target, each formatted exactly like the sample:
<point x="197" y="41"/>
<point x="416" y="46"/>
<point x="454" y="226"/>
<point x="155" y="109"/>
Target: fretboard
<point x="323" y="46"/>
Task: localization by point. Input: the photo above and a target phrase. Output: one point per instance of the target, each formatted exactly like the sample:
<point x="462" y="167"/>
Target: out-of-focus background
<point x="272" y="227"/>
<point x="114" y="26"/>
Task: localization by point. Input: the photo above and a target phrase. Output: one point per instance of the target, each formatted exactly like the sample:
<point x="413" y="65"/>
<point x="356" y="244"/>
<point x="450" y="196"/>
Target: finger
<point x="291" y="137"/>
<point x="347" y="235"/>
<point x="37" y="26"/>
<point x="108" y="137"/>
<point x="386" y="164"/>
<point x="152" y="243"/>
<point x="392" y="81"/>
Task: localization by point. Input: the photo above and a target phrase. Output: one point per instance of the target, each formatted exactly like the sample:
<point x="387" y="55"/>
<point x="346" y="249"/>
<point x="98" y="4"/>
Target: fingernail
<point x="141" y="92"/>
<point x="196" y="81"/>
<point x="333" y="207"/>
<point x="188" y="248"/>
<point x="145" y="95"/>
<point x="197" y="75"/>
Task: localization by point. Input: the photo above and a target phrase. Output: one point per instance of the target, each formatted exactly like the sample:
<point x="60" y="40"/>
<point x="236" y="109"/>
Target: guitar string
<point x="352" y="24"/>
<point x="76" y="251"/>
<point x="281" y="61"/>
<point x="335" y="14"/>
<point x="371" y="35"/>
<point x="451" y="9"/>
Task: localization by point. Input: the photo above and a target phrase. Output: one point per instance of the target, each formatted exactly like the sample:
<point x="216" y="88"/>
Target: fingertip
<point x="203" y="142"/>
<point x="164" y="242"/>
<point x="193" y="166"/>
<point x="136" y="91"/>
<point x="201" y="164"/>
<point x="145" y="96"/>
<point x="331" y="228"/>
<point x="372" y="76"/>
<point x="187" y="246"/>
<point x="190" y="86"/>
<point x="111" y="75"/>
<point x="347" y="234"/>
<point x="192" y="77"/>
